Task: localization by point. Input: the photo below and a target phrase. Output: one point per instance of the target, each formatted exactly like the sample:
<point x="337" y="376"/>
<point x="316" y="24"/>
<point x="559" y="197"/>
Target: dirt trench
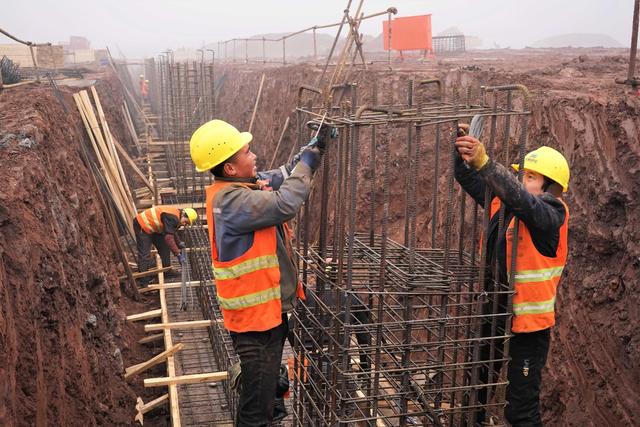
<point x="593" y="372"/>
<point x="63" y="338"/>
<point x="64" y="342"/>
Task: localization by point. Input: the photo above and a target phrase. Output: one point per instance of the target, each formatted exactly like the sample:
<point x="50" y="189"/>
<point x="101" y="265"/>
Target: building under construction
<point x="402" y="323"/>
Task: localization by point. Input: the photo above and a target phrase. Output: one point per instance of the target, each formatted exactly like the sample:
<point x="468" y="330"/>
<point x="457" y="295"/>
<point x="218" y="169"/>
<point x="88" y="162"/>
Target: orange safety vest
<point x="144" y="89"/>
<point x="248" y="287"/>
<point x="536" y="276"/>
<point x="150" y="220"/>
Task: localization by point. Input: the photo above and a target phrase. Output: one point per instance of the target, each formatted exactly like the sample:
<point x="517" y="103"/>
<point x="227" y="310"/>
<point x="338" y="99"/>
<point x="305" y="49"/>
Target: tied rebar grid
<point x="221" y="408"/>
<point x="187" y="99"/>
<point x="390" y="333"/>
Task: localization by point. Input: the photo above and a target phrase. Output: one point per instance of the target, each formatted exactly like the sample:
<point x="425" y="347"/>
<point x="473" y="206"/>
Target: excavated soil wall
<point x="593" y="372"/>
<point x="63" y="339"/>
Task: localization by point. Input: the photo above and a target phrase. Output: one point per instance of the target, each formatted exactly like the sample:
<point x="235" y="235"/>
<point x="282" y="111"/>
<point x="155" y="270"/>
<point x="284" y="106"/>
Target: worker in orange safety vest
<point x="543" y="220"/>
<point x="144" y="87"/>
<point x="158" y="226"/>
<point x="255" y="272"/>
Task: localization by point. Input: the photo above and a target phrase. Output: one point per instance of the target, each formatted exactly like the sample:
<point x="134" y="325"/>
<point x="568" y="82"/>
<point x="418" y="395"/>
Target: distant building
<point x="79" y="43"/>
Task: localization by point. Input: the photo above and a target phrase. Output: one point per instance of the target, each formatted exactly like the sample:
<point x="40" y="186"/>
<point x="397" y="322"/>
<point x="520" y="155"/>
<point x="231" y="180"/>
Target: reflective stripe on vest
<point x="248" y="266"/>
<point x="150" y="220"/>
<point x="249" y="300"/>
<point x="536" y="276"/>
<point x="247" y="287"/>
<point x="534" y="307"/>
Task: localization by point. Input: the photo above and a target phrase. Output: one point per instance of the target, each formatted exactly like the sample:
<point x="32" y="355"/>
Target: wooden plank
<point x="186" y="379"/>
<point x="110" y="171"/>
<point x="132" y="164"/>
<point x="159" y="358"/>
<point x="167" y="326"/>
<point x="144" y="316"/>
<point x="113" y="152"/>
<point x="109" y="212"/>
<point x="148" y="273"/>
<point x="167" y="286"/>
<point x="168" y="343"/>
<point x="151" y="338"/>
<point x="101" y="139"/>
<point x="142" y="408"/>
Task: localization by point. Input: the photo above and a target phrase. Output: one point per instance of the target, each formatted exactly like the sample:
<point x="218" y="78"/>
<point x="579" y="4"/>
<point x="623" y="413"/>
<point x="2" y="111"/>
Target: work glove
<point x="234" y="375"/>
<point x="181" y="258"/>
<point x="311" y="156"/>
<point x="181" y="245"/>
<point x="468" y="143"/>
<point x="472" y="151"/>
<point x="326" y="132"/>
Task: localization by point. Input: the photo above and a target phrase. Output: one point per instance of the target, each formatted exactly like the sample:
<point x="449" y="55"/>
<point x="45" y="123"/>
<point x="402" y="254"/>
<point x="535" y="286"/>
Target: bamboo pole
<point x="130" y="126"/>
<point x="255" y="107"/>
<point x="113" y="152"/>
<point x="108" y="212"/>
<point x="111" y="169"/>
<point x="93" y="137"/>
<point x="132" y="164"/>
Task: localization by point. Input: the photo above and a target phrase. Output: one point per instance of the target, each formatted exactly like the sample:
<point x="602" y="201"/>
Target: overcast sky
<point x="146" y="27"/>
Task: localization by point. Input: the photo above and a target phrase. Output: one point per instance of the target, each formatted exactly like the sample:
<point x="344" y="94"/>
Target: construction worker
<point x="144" y="88"/>
<point x="158" y="226"/>
<point x="541" y="256"/>
<point x="255" y="273"/>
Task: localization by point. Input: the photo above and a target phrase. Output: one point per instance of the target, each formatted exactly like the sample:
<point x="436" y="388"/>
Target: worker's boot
<point x="279" y="410"/>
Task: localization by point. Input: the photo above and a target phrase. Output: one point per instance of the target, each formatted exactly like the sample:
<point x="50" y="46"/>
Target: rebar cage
<point x="402" y="324"/>
<point x="391" y="333"/>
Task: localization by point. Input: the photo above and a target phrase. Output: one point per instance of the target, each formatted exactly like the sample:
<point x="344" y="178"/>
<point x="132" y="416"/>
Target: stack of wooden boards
<point x="108" y="152"/>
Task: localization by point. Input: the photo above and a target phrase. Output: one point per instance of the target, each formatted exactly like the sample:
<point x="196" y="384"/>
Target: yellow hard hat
<point x="191" y="214"/>
<point x="214" y="142"/>
<point x="550" y="163"/>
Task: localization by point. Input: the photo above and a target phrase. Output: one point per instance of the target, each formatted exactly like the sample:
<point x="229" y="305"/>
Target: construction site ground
<point x="64" y="340"/>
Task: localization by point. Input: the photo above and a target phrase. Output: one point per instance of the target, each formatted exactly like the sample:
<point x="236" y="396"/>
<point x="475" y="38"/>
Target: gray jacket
<point x="240" y="211"/>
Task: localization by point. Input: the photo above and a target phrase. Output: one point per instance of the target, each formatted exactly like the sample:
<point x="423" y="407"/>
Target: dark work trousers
<point x="526" y="350"/>
<point x="528" y="356"/>
<point x="260" y="357"/>
<point x="143" y="244"/>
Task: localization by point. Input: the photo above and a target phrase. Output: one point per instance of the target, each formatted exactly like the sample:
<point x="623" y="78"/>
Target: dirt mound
<point x="63" y="340"/>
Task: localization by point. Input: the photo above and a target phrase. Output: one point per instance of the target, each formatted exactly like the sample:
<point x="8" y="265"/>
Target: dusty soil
<point x="592" y="376"/>
<point x="63" y="339"/>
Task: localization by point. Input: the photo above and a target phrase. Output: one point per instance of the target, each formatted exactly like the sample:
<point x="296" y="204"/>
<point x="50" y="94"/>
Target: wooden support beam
<point x="255" y="106"/>
<point x="167" y="286"/>
<point x="148" y="273"/>
<point x="168" y="343"/>
<point x="144" y="316"/>
<point x="186" y="379"/>
<point x="159" y="358"/>
<point x="132" y="164"/>
<point x="142" y="408"/>
<point x="177" y="325"/>
<point x="151" y="338"/>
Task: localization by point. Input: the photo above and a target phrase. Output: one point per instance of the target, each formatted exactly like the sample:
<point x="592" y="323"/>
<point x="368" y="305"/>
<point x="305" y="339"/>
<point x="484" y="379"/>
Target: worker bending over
<point x="158" y="226"/>
<point x="255" y="273"/>
<point x="541" y="256"/>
